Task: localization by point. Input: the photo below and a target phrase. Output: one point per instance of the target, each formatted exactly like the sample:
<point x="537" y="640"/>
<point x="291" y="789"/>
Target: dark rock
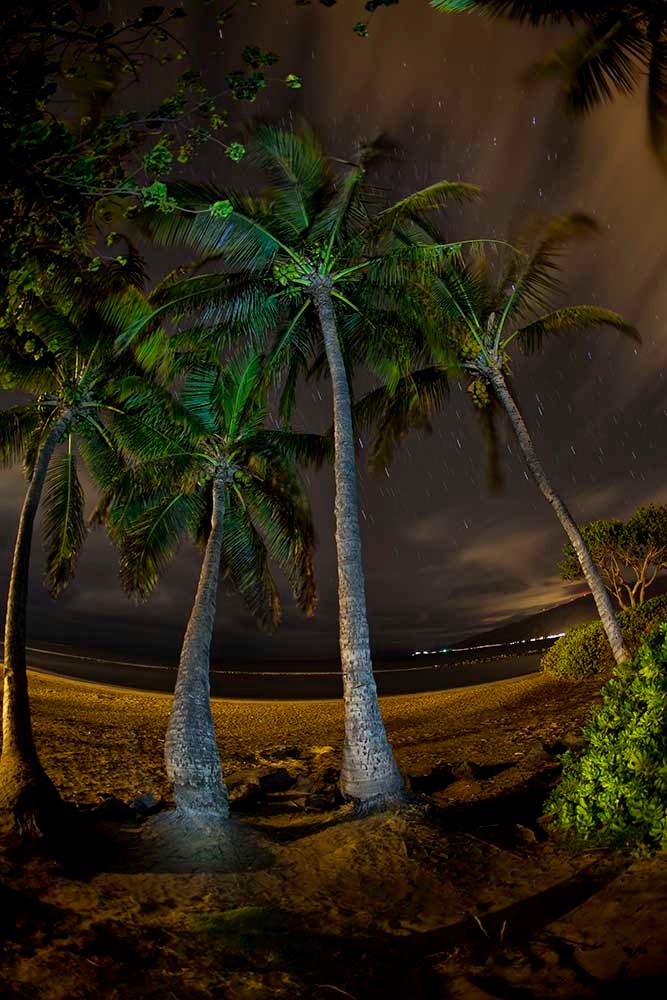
<point x="467" y="770"/>
<point x="437" y="778"/>
<point x="325" y="781"/>
<point x="146" y="805"/>
<point x="111" y="808"/>
<point x="322" y="801"/>
<point x="243" y="792"/>
<point x="275" y="779"/>
<point x="525" y="834"/>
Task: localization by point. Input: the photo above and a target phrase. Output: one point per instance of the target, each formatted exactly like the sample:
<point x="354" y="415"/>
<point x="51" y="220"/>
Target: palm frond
<point x="246" y="392"/>
<point x="280" y="511"/>
<point x="298" y="172"/>
<point x="63" y="523"/>
<point x="428" y="199"/>
<point x="606" y="57"/>
<point x="152" y="539"/>
<point x="391" y="413"/>
<point x="530" y="338"/>
<point x="534" y="279"/>
<point x="532" y="11"/>
<point x="19" y="425"/>
<point x="245" y="564"/>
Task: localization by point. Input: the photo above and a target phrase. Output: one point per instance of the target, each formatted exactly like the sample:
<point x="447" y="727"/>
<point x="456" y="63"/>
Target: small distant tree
<point x="629" y="554"/>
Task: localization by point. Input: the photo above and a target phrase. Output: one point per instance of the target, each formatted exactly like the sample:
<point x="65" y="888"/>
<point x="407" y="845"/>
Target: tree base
<point x="30" y="805"/>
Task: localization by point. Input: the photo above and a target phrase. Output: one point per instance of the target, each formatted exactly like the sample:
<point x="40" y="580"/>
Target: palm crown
<point x="219" y="433"/>
<point x="618" y="44"/>
<point x="65" y="357"/>
<point x="312" y="222"/>
<point x="474" y="313"/>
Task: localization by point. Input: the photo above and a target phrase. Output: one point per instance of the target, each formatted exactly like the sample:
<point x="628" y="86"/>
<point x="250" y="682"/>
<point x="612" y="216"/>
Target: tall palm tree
<point x="475" y="315"/>
<point x="618" y="45"/>
<point x="65" y="359"/>
<point x="319" y="259"/>
<point x="238" y="494"/>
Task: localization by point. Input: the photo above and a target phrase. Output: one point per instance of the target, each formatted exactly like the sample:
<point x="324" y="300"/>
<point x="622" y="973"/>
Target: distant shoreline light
<point x="487" y="645"/>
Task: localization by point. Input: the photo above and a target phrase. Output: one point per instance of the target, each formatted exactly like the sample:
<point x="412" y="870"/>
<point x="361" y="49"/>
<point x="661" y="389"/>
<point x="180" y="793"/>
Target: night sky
<point x="443" y="557"/>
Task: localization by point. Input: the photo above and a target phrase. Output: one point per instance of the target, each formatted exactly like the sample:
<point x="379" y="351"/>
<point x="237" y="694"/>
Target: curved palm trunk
<point x="590" y="570"/>
<point x="191" y="753"/>
<point x="27" y="795"/>
<point x="369" y="772"/>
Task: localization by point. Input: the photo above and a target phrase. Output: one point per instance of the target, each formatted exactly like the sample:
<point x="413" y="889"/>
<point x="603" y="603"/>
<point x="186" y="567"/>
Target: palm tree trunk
<point x="589" y="569"/>
<point x="28" y="798"/>
<point x="191" y="753"/>
<point x="369" y="772"/>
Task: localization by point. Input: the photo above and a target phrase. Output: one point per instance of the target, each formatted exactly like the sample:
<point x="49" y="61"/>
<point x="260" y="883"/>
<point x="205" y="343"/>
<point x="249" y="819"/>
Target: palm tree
<point x="319" y="261"/>
<point x="64" y="356"/>
<point x="474" y="317"/>
<point x="619" y="44"/>
<point x="239" y="496"/>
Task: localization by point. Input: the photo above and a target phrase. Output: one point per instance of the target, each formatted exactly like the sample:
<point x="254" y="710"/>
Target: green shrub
<point x="615" y="791"/>
<point x="584" y="651"/>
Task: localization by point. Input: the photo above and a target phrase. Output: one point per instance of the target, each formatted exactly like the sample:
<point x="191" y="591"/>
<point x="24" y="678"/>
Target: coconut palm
<point x="618" y="45"/>
<point x="475" y="316"/>
<point x="64" y="357"/>
<point x="239" y="496"/>
<point x="319" y="259"/>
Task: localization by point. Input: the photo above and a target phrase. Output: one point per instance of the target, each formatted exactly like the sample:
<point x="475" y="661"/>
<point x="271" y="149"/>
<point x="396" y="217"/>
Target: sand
<point x="466" y="898"/>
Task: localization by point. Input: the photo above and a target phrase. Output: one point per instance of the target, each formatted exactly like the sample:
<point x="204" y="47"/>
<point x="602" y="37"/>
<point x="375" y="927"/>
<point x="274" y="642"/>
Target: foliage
<point x="218" y="432"/>
<point x="584" y="650"/>
<point x="471" y="310"/>
<point x="64" y="356"/>
<point x="636" y="548"/>
<point x="615" y="791"/>
<point x="617" y="47"/>
<point x="317" y="217"/>
<point x="75" y="150"/>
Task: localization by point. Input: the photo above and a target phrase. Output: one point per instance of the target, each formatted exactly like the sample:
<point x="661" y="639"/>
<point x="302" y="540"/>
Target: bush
<point x="584" y="651"/>
<point x="615" y="791"/>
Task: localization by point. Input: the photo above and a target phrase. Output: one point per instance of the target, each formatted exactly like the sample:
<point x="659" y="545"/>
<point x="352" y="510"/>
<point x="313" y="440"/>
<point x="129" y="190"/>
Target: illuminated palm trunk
<point x="191" y="753"/>
<point x="369" y="772"/>
<point x="27" y="796"/>
<point x="589" y="569"/>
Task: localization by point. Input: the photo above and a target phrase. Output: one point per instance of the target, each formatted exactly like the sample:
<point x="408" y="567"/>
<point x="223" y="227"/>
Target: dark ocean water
<point x="299" y="679"/>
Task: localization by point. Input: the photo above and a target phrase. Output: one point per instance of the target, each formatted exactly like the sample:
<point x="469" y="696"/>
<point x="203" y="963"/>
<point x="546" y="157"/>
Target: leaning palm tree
<point x="618" y="45"/>
<point x="318" y="259"/>
<point x="64" y="357"/>
<point x="475" y="316"/>
<point x="238" y="494"/>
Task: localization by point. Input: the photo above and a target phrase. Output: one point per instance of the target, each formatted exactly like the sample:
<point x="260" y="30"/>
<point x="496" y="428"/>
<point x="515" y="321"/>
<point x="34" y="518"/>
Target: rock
<point x="275" y="779"/>
<point x="243" y="794"/>
<point x="146" y="805"/>
<point x="111" y="808"/>
<point x="441" y="775"/>
<point x="322" y="801"/>
<point x="525" y="834"/>
<point x="467" y="770"/>
<point x="325" y="781"/>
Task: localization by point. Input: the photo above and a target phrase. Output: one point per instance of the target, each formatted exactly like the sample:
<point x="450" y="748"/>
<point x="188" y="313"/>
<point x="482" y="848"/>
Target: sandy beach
<point x="462" y="895"/>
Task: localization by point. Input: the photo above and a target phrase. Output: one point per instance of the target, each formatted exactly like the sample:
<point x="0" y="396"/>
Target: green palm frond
<point x="249" y="238"/>
<point x="535" y="279"/>
<point x="246" y="392"/>
<point x="279" y="510"/>
<point x="18" y="426"/>
<point x="63" y="522"/>
<point x="428" y="199"/>
<point x="99" y="451"/>
<point x="530" y="338"/>
<point x="298" y="172"/>
<point x="533" y="11"/>
<point x="284" y="445"/>
<point x="605" y="58"/>
<point x="155" y="535"/>
<point x="245" y="564"/>
<point x="392" y="412"/>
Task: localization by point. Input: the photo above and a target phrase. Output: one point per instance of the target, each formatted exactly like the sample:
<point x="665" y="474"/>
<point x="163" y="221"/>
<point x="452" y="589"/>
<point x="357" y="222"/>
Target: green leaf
<point x="63" y="523"/>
